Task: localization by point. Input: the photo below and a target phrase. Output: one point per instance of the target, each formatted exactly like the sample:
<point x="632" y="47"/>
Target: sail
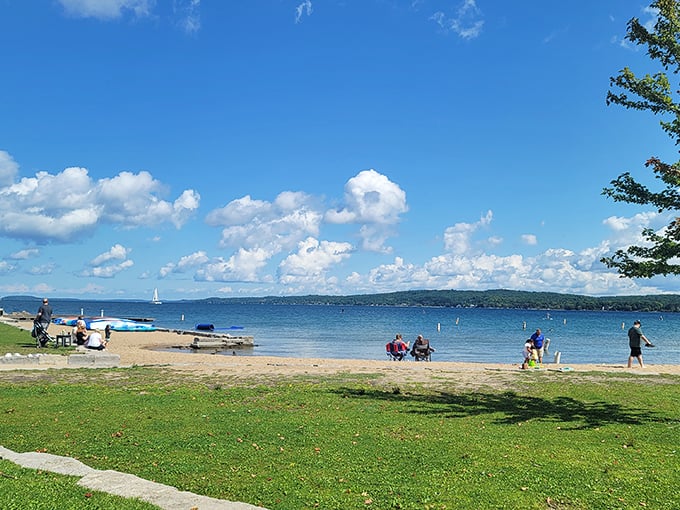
<point x="155" y="299"/>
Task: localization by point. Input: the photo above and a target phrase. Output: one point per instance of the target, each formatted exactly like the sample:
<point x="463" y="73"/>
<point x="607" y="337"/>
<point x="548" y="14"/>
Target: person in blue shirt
<point x="538" y="339"/>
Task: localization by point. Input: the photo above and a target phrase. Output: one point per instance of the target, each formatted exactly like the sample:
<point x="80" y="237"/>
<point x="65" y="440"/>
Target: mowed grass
<point x="534" y="440"/>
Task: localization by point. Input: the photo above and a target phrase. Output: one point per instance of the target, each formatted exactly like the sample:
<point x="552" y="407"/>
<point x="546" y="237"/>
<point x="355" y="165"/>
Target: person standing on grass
<point x="635" y="336"/>
<point x="44" y="315"/>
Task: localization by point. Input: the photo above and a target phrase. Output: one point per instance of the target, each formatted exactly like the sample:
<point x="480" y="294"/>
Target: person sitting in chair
<point x="397" y="349"/>
<point x="421" y="348"/>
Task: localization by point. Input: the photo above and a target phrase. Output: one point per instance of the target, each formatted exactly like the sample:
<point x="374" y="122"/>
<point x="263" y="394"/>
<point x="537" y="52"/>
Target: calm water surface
<point x="458" y="334"/>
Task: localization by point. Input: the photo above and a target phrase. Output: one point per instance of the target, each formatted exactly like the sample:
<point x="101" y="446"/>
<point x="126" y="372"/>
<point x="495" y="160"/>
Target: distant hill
<point x="500" y="298"/>
<point x="479" y="299"/>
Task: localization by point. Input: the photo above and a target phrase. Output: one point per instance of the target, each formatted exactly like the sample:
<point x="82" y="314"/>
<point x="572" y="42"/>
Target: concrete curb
<point x="122" y="484"/>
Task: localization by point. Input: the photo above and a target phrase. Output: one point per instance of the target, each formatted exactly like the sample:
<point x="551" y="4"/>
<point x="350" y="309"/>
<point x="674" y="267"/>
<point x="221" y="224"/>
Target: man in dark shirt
<point x="635" y="336"/>
<point x="44" y="315"/>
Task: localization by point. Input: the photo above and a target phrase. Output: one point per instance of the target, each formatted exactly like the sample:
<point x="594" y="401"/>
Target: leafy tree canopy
<point x="660" y="251"/>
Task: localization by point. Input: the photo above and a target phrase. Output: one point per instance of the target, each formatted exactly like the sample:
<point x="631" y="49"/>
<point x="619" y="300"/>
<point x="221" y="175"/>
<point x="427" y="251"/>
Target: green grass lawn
<point x="540" y="440"/>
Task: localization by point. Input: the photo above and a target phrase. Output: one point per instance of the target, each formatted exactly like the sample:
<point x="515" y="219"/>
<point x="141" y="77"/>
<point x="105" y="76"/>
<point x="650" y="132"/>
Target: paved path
<point x="122" y="484"/>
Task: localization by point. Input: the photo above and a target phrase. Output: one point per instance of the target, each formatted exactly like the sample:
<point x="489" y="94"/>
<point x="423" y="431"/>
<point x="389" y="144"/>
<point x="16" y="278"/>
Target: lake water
<point x="458" y="334"/>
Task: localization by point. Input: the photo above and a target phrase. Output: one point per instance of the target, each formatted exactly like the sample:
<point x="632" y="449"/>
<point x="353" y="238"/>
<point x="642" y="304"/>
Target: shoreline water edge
<point x="159" y="348"/>
<point x="361" y="332"/>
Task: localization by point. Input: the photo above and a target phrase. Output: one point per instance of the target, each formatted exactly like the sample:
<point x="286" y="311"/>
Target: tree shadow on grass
<point x="512" y="408"/>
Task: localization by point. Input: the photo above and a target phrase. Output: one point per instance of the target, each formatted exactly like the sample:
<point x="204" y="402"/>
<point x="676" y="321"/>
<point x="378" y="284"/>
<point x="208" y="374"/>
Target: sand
<point x="157" y="349"/>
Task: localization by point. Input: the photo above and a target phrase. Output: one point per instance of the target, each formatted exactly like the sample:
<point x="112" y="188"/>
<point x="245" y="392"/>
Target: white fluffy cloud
<point x="269" y="226"/>
<point x="65" y="206"/>
<point x="117" y="252"/>
<point x="194" y="260"/>
<point x="373" y="201"/>
<point x="243" y="266"/>
<point x="108" y="271"/>
<point x="458" y="238"/>
<point x="312" y="260"/>
<point x="8" y="169"/>
<point x="109" y="263"/>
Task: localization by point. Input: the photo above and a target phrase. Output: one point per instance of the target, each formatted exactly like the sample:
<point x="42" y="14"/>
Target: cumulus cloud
<point x="558" y="269"/>
<point x="464" y="267"/>
<point x="312" y="260"/>
<point x="627" y="231"/>
<point x="185" y="263"/>
<point x="8" y="169"/>
<point x="374" y="201"/>
<point x="117" y="252"/>
<point x="269" y="226"/>
<point x="108" y="271"/>
<point x="304" y="8"/>
<point x="458" y="238"/>
<point x="467" y="22"/>
<point x="244" y="266"/>
<point x="31" y="210"/>
<point x="102" y="267"/>
<point x="107" y="9"/>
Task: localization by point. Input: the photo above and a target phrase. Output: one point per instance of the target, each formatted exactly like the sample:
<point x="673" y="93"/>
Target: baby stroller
<point x="42" y="337"/>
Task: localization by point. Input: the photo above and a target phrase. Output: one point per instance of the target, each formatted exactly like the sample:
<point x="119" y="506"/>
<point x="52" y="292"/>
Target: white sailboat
<point x="154" y="299"/>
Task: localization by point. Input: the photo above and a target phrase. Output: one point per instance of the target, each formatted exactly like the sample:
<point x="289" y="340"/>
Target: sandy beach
<point x="157" y="348"/>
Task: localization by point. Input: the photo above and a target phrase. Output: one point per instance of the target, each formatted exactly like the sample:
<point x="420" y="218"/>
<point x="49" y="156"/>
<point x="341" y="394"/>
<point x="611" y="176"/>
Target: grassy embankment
<point x="538" y="440"/>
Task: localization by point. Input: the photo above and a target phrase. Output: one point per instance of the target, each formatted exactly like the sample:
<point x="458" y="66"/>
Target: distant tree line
<point x="479" y="299"/>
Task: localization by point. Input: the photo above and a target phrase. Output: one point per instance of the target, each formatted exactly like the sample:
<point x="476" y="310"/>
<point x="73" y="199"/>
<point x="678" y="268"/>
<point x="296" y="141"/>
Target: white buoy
<point x="439" y="327"/>
<point x="182" y="317"/>
<point x="102" y="312"/>
<point x="558" y="356"/>
<point x="457" y="320"/>
<point x="81" y="312"/>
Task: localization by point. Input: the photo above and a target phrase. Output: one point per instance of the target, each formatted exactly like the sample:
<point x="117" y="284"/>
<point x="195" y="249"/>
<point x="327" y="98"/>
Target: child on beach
<point x="527" y="352"/>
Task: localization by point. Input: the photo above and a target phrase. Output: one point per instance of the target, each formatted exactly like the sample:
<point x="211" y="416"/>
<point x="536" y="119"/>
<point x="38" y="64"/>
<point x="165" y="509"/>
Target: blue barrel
<point x="205" y="327"/>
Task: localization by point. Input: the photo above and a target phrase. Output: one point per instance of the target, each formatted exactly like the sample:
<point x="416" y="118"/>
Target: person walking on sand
<point x="635" y="336"/>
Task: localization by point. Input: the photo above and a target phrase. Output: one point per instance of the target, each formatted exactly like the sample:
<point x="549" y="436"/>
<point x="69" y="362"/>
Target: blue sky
<point x="276" y="147"/>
